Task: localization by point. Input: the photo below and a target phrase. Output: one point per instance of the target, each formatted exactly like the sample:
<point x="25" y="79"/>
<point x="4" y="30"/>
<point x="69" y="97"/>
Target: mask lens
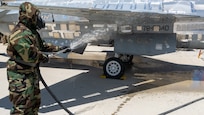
<point x="40" y="22"/>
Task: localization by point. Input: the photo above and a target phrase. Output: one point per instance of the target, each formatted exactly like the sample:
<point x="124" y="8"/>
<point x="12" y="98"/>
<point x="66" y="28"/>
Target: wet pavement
<point x="165" y="84"/>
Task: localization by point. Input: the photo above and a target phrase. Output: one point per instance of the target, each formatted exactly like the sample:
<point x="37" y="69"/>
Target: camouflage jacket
<point x="3" y="38"/>
<point x="26" y="45"/>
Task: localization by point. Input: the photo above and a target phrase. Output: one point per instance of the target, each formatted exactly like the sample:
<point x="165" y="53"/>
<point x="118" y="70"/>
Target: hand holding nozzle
<point x="63" y="49"/>
<point x="45" y="58"/>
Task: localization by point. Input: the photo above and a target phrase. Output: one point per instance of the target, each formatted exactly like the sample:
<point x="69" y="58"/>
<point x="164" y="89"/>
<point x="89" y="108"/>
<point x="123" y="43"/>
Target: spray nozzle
<point x="67" y="50"/>
<point x="80" y="50"/>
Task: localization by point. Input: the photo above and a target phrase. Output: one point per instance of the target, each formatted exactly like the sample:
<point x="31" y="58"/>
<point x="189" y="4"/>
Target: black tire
<point x="113" y="68"/>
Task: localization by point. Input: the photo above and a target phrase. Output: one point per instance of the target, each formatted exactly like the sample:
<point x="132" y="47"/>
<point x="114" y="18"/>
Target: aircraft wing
<point x="110" y="11"/>
<point x="89" y="13"/>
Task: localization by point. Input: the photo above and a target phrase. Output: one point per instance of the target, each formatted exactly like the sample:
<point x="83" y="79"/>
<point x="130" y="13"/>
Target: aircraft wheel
<point x="114" y="68"/>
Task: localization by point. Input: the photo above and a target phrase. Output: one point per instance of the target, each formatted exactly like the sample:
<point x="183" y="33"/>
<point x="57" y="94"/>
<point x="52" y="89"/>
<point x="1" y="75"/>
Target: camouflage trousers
<point x="24" y="93"/>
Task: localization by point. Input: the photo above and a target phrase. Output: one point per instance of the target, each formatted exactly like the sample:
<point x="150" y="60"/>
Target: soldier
<point x="24" y="48"/>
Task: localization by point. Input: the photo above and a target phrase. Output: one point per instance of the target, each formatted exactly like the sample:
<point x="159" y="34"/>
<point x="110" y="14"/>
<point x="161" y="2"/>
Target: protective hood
<point x="30" y="16"/>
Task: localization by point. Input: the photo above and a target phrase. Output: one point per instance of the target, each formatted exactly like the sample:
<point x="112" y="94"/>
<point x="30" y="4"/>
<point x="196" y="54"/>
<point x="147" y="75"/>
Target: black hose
<point x="43" y="82"/>
<point x="53" y="96"/>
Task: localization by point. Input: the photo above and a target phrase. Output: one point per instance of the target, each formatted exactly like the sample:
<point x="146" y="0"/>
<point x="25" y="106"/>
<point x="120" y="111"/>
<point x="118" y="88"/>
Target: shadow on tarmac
<point x="89" y="87"/>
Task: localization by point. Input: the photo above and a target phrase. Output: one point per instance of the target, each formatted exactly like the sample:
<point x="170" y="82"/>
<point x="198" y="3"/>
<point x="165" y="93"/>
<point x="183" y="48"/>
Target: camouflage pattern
<point x="25" y="44"/>
<point x="28" y="14"/>
<point x="24" y="93"/>
<point x="3" y="38"/>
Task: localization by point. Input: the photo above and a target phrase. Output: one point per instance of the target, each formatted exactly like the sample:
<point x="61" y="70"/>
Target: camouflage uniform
<point x="25" y="45"/>
<point x="3" y="38"/>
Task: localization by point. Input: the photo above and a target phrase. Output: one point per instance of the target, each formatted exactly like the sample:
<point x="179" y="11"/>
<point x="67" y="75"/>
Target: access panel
<point x="145" y="44"/>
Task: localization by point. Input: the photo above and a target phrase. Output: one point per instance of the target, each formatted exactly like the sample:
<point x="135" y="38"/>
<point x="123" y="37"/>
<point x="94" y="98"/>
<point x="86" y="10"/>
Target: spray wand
<point x="59" y="52"/>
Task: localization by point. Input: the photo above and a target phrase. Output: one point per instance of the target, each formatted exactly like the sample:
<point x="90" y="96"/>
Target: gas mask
<point x="40" y="23"/>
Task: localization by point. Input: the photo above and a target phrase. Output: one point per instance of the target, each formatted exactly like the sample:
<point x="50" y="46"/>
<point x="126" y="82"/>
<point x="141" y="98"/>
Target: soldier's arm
<point x="28" y="52"/>
<point x="52" y="48"/>
<point x="49" y="47"/>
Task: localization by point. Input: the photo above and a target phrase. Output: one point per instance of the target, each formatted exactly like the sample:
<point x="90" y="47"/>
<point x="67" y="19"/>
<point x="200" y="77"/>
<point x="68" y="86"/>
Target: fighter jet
<point x="133" y="27"/>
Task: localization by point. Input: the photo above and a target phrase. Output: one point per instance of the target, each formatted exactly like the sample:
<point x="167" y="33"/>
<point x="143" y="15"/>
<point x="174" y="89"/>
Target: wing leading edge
<point x="113" y="11"/>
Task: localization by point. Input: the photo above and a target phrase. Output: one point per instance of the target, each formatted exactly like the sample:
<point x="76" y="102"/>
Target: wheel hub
<point x="113" y="68"/>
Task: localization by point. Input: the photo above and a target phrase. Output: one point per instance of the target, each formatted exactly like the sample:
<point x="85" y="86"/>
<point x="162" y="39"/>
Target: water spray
<point x="78" y="45"/>
<point x="89" y="37"/>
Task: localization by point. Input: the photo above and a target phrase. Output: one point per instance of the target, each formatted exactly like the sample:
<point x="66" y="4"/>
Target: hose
<point x="50" y="92"/>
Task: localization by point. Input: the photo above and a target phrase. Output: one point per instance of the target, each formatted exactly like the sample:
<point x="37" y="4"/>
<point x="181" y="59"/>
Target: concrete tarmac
<point x="169" y="84"/>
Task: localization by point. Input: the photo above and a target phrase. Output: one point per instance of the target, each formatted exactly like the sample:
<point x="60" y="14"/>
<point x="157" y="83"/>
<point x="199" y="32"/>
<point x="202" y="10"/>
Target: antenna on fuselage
<point x="53" y="19"/>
